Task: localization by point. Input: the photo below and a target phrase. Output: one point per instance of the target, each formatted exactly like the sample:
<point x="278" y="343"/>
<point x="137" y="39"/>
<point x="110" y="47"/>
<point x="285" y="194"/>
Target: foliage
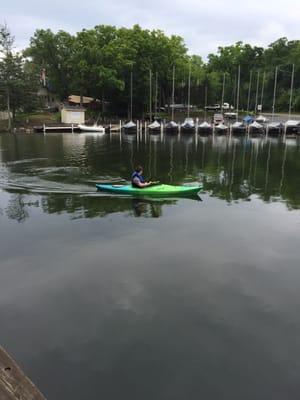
<point x="18" y="80"/>
<point x="98" y="63"/>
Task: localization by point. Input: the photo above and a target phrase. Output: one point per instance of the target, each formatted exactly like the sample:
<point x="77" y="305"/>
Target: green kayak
<point x="155" y="190"/>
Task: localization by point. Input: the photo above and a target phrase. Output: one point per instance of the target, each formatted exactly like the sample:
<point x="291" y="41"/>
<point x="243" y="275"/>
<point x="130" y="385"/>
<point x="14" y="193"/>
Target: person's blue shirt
<point x="137" y="178"/>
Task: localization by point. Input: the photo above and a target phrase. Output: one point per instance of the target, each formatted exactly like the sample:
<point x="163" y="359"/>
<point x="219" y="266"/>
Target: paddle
<point x="154" y="183"/>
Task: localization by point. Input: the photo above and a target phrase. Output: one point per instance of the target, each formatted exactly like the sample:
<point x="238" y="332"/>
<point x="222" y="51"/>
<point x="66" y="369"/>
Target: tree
<point x="18" y="87"/>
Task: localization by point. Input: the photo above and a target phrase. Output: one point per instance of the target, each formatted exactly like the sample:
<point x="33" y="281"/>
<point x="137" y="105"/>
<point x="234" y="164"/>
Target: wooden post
<point x="14" y="384"/>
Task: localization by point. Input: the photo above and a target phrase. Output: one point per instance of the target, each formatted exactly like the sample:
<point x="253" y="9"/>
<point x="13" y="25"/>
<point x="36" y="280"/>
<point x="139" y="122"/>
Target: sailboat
<point x="172" y="127"/>
<point x="221" y="128"/>
<point x="130" y="127"/>
<point x="155" y="126"/>
<point x="274" y="128"/>
<point x="261" y="119"/>
<point x="238" y="127"/>
<point x="205" y="128"/>
<point x="292" y="126"/>
<point x="188" y="125"/>
<point x="255" y="128"/>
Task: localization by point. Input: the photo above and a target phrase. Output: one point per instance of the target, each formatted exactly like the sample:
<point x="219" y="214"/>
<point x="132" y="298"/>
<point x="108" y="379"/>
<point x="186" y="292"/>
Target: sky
<point x="204" y="25"/>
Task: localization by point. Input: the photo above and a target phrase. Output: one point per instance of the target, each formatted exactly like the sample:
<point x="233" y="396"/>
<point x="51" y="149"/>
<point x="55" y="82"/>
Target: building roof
<point x="85" y="100"/>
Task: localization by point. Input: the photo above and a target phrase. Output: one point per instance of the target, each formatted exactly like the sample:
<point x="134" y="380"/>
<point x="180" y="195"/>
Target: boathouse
<point x="72" y="114"/>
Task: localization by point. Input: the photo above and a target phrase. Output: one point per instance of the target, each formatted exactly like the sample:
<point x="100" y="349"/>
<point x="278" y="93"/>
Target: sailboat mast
<point x="205" y="102"/>
<point x="274" y="94"/>
<point x="249" y="92"/>
<point x="262" y="91"/>
<point x="189" y="91"/>
<point x="173" y="92"/>
<point x="150" y="95"/>
<point x="223" y="91"/>
<point x="238" y="93"/>
<point x="131" y="95"/>
<point x="156" y="92"/>
<point x="256" y="95"/>
<point x="291" y="93"/>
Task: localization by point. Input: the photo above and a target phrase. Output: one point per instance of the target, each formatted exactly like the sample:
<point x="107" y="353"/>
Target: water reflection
<point x="63" y="169"/>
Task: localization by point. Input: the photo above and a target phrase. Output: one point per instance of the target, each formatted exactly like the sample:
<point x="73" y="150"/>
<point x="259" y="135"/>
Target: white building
<point x="72" y="115"/>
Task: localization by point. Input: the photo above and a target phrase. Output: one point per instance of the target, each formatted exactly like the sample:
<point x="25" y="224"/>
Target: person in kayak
<point x="137" y="179"/>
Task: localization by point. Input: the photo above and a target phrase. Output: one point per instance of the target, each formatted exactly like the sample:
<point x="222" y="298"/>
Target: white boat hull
<point x="93" y="128"/>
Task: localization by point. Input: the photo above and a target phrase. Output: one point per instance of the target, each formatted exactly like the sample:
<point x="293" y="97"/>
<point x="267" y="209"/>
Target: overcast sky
<point x="204" y="25"/>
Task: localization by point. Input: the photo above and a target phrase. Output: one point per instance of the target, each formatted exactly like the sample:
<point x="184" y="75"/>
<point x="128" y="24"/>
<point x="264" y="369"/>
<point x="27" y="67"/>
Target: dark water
<point x="105" y="297"/>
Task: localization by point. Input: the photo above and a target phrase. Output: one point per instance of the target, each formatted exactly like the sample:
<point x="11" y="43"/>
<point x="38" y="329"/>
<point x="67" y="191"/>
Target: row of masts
<point x="258" y="126"/>
<point x="257" y="106"/>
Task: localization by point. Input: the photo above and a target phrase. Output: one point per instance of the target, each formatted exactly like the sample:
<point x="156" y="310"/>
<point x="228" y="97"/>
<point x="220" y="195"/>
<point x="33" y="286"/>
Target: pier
<point x="14" y="384"/>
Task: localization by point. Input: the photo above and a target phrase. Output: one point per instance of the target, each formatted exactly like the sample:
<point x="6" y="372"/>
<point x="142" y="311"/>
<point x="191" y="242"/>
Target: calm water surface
<point x="105" y="297"/>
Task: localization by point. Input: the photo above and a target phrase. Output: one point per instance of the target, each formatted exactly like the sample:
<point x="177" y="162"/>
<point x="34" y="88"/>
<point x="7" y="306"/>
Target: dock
<point x="56" y="128"/>
<point x="14" y="384"/>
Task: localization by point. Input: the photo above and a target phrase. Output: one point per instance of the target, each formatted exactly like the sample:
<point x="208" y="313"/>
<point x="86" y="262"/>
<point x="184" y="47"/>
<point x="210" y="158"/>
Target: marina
<point x="260" y="126"/>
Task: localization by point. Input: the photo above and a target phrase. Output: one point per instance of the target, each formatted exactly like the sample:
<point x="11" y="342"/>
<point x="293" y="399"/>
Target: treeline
<point x="97" y="63"/>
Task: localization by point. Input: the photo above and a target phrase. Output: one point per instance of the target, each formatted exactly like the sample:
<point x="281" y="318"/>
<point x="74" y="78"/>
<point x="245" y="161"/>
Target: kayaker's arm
<point x="140" y="184"/>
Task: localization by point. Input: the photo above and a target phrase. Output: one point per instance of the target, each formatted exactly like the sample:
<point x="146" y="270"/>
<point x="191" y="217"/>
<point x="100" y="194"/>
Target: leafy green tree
<point x="17" y="88"/>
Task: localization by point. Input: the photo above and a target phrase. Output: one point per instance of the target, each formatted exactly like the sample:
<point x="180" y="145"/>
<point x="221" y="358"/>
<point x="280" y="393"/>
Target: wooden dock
<point x="14" y="384"/>
<point x="56" y="128"/>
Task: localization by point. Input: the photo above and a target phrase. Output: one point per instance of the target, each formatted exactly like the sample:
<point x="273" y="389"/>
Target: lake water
<point x="106" y="297"/>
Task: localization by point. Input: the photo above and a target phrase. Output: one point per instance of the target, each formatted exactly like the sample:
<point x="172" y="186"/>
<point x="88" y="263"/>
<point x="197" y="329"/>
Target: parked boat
<point x="238" y="128"/>
<point x="155" y="127"/>
<point x="221" y="129"/>
<point x="248" y="119"/>
<point x="261" y="119"/>
<point x="91" y="128"/>
<point x="292" y="127"/>
<point x="256" y="128"/>
<point x="130" y="127"/>
<point x="218" y="119"/>
<point x="274" y="128"/>
<point x="171" y="127"/>
<point x="230" y="115"/>
<point x="205" y="128"/>
<point x="188" y="126"/>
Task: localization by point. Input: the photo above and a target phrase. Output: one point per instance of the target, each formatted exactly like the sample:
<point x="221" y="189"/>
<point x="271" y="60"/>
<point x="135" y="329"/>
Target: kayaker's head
<point x="139" y="169"/>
